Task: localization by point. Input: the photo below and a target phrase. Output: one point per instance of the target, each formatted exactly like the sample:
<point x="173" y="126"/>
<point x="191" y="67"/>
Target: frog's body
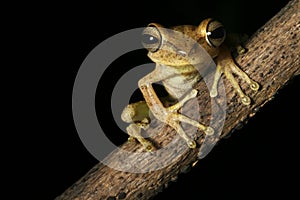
<point x="180" y="81"/>
<point x="177" y="63"/>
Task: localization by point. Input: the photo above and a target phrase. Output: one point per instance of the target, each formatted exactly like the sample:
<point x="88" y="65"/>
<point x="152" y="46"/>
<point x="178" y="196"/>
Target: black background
<point x="258" y="160"/>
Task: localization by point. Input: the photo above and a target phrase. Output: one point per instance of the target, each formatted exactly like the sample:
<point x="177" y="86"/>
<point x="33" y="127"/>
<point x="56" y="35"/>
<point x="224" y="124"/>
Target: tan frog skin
<point x="175" y="61"/>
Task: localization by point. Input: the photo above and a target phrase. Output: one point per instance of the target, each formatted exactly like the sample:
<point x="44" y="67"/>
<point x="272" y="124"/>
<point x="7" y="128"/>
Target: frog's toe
<point x="254" y="86"/>
<point x="130" y="139"/>
<point x="240" y="50"/>
<point x="192" y="144"/>
<point x="213" y="93"/>
<point x="209" y="131"/>
<point x="149" y="147"/>
<point x="246" y="100"/>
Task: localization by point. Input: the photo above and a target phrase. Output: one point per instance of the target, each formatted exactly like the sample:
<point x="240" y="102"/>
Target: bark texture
<point x="272" y="60"/>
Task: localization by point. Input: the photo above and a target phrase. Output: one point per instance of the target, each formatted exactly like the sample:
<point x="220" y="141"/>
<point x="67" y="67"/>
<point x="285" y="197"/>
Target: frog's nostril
<point x="182" y="53"/>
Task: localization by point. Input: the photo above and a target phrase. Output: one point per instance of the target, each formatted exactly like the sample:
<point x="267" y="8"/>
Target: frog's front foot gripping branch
<point x="228" y="67"/>
<point x="175" y="119"/>
<point x="138" y="115"/>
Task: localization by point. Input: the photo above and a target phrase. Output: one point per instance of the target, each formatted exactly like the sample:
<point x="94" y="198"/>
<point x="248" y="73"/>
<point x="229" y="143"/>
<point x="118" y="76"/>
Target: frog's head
<point x="183" y="45"/>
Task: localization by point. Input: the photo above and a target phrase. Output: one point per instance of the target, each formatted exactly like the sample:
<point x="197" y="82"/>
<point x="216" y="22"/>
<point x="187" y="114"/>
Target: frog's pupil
<point x="149" y="39"/>
<point x="218" y="33"/>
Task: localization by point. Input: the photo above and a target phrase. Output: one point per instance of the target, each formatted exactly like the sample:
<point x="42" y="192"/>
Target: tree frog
<point x="177" y="74"/>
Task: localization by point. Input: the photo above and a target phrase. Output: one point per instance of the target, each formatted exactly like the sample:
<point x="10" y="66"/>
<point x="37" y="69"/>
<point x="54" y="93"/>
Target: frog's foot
<point x="174" y="119"/>
<point x="134" y="130"/>
<point x="228" y="70"/>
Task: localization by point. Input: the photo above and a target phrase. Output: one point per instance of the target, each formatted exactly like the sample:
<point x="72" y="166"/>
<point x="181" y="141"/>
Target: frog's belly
<point x="179" y="85"/>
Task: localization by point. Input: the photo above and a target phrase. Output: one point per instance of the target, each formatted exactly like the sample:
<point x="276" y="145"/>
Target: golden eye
<point x="215" y="33"/>
<point x="151" y="38"/>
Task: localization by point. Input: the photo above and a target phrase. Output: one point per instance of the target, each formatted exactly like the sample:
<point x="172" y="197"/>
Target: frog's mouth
<point x="179" y="58"/>
<point x="166" y="57"/>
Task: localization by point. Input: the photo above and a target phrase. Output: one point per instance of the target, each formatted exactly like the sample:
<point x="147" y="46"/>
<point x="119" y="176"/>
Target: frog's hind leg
<point x="138" y="115"/>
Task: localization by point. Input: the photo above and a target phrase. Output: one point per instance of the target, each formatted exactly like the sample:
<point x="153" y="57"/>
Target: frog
<point x="178" y="75"/>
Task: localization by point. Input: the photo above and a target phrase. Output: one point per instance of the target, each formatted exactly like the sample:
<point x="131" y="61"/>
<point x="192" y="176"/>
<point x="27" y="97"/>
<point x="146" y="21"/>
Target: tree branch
<point x="272" y="60"/>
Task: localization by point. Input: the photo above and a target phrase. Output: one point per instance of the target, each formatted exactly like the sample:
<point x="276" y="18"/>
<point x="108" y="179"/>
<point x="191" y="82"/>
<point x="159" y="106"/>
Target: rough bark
<point x="272" y="60"/>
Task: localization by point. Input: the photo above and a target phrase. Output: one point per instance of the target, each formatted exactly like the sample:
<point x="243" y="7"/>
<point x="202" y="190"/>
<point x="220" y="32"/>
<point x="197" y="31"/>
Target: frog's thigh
<point x="135" y="112"/>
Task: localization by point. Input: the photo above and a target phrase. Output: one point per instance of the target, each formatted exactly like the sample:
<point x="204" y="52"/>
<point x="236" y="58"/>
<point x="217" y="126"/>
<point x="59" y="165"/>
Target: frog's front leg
<point x="226" y="65"/>
<point x="169" y="115"/>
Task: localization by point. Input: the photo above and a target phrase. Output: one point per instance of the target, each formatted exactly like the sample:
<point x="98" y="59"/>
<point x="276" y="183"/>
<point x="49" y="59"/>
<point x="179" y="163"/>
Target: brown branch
<point x="272" y="60"/>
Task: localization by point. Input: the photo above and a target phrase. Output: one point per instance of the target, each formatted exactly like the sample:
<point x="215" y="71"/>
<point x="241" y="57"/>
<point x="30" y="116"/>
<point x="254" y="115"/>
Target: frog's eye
<point x="151" y="38"/>
<point x="215" y="33"/>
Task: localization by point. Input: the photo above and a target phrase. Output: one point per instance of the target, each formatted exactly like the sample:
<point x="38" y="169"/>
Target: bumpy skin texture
<point x="177" y="63"/>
